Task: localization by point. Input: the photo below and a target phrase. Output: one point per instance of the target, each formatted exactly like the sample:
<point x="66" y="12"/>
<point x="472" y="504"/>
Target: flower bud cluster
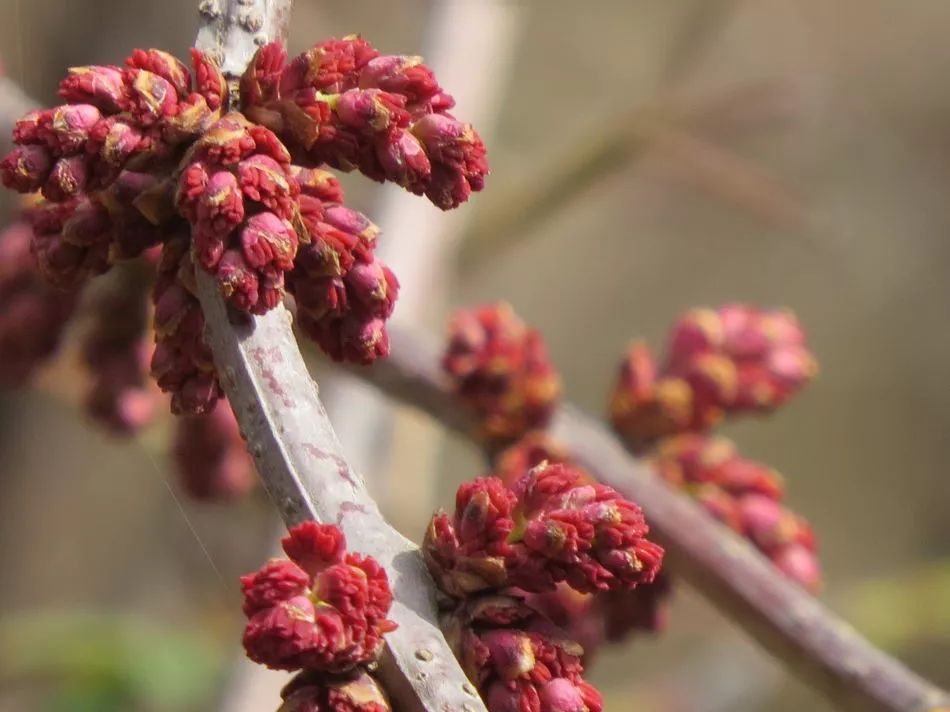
<point x="149" y="154"/>
<point x="323" y="610"/>
<point x="746" y="496"/>
<point x="313" y="691"/>
<point x="517" y="657"/>
<point x="182" y="363"/>
<point x="344" y="294"/>
<point x="589" y="618"/>
<point x="210" y="456"/>
<point x="552" y="525"/>
<point x="501" y="547"/>
<point x="500" y="367"/>
<point x="733" y="360"/>
<point x="115" y="352"/>
<point x="238" y="195"/>
<point x="34" y="314"/>
<point x="115" y="119"/>
<point x="344" y="104"/>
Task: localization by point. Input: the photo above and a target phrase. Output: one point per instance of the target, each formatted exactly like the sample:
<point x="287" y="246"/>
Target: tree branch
<point x="824" y="650"/>
<point x="293" y="443"/>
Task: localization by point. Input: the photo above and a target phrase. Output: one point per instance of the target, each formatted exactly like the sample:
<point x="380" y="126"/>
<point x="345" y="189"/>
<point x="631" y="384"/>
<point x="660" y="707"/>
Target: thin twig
<point x="824" y="650"/>
<point x="293" y="443"/>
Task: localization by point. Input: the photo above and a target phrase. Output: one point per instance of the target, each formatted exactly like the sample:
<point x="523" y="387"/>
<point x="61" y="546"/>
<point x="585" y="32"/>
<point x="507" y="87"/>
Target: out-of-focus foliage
<point x="102" y="662"/>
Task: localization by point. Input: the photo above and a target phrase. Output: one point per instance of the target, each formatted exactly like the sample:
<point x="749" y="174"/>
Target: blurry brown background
<point x="792" y="152"/>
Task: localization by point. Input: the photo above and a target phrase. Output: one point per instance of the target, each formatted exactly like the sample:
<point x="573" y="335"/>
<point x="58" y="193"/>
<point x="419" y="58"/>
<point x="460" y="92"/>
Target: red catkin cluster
<point x="344" y="104"/>
<point x="148" y="154"/>
<point x="503" y="549"/>
<point x="115" y="119"/>
<point x="210" y="456"/>
<point x="116" y="350"/>
<point x="589" y="618"/>
<point x="344" y="294"/>
<point x="520" y="661"/>
<point x="500" y="367"/>
<point x="34" y="314"/>
<point x="552" y="525"/>
<point x="324" y="609"/>
<point x="312" y="691"/>
<point x="736" y="359"/>
<point x="238" y="194"/>
<point x="745" y="495"/>
<point x="182" y="363"/>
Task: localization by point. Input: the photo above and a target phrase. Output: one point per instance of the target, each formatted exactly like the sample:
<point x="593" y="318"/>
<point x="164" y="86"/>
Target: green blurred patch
<point x="904" y="609"/>
<point x="105" y="662"/>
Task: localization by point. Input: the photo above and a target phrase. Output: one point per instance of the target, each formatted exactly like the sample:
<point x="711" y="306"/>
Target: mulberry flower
<point x="210" y="455"/>
<point x="324" y="610"/>
<point x="343" y="104"/>
<point x="500" y="367"/>
<point x="733" y="360"/>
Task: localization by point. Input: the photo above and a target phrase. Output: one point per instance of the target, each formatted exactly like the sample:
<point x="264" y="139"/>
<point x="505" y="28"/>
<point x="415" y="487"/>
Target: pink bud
<point x="26" y="168"/>
<point x="371" y="110"/>
<point x="69" y="127"/>
<point x="266" y="240"/>
<point x="67" y="179"/>
<point x="101" y="86"/>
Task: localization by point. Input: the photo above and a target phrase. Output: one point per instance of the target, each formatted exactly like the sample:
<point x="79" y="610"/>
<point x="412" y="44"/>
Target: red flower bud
<point x="720" y="362"/>
<point x="68" y="128"/>
<point x="312" y="691"/>
<point x="457" y="156"/>
<point x="101" y="86"/>
<point x="67" y="179"/>
<point x="501" y="368"/>
<point x="530" y="451"/>
<point x="326" y="611"/>
<point x="26" y="168"/>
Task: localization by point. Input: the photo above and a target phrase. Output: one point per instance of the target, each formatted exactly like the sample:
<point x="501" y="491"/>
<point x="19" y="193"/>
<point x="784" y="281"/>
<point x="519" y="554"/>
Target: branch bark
<point x="292" y="441"/>
<point x="824" y="650"/>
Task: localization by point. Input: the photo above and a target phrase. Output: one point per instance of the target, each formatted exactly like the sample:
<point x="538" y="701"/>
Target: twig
<point x="824" y="650"/>
<point x="293" y="443"/>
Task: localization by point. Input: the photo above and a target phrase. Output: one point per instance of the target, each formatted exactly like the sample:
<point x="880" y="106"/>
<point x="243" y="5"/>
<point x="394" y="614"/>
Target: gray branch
<point x="793" y="625"/>
<point x="293" y="443"/>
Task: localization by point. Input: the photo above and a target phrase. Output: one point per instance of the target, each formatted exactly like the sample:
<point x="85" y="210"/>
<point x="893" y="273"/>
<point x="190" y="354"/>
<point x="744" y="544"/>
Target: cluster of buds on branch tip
<point x="745" y="495"/>
<point x="505" y="545"/>
<point x="728" y="361"/>
<point x="322" y="612"/>
<point x="500" y="368"/>
<point x="151" y="162"/>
